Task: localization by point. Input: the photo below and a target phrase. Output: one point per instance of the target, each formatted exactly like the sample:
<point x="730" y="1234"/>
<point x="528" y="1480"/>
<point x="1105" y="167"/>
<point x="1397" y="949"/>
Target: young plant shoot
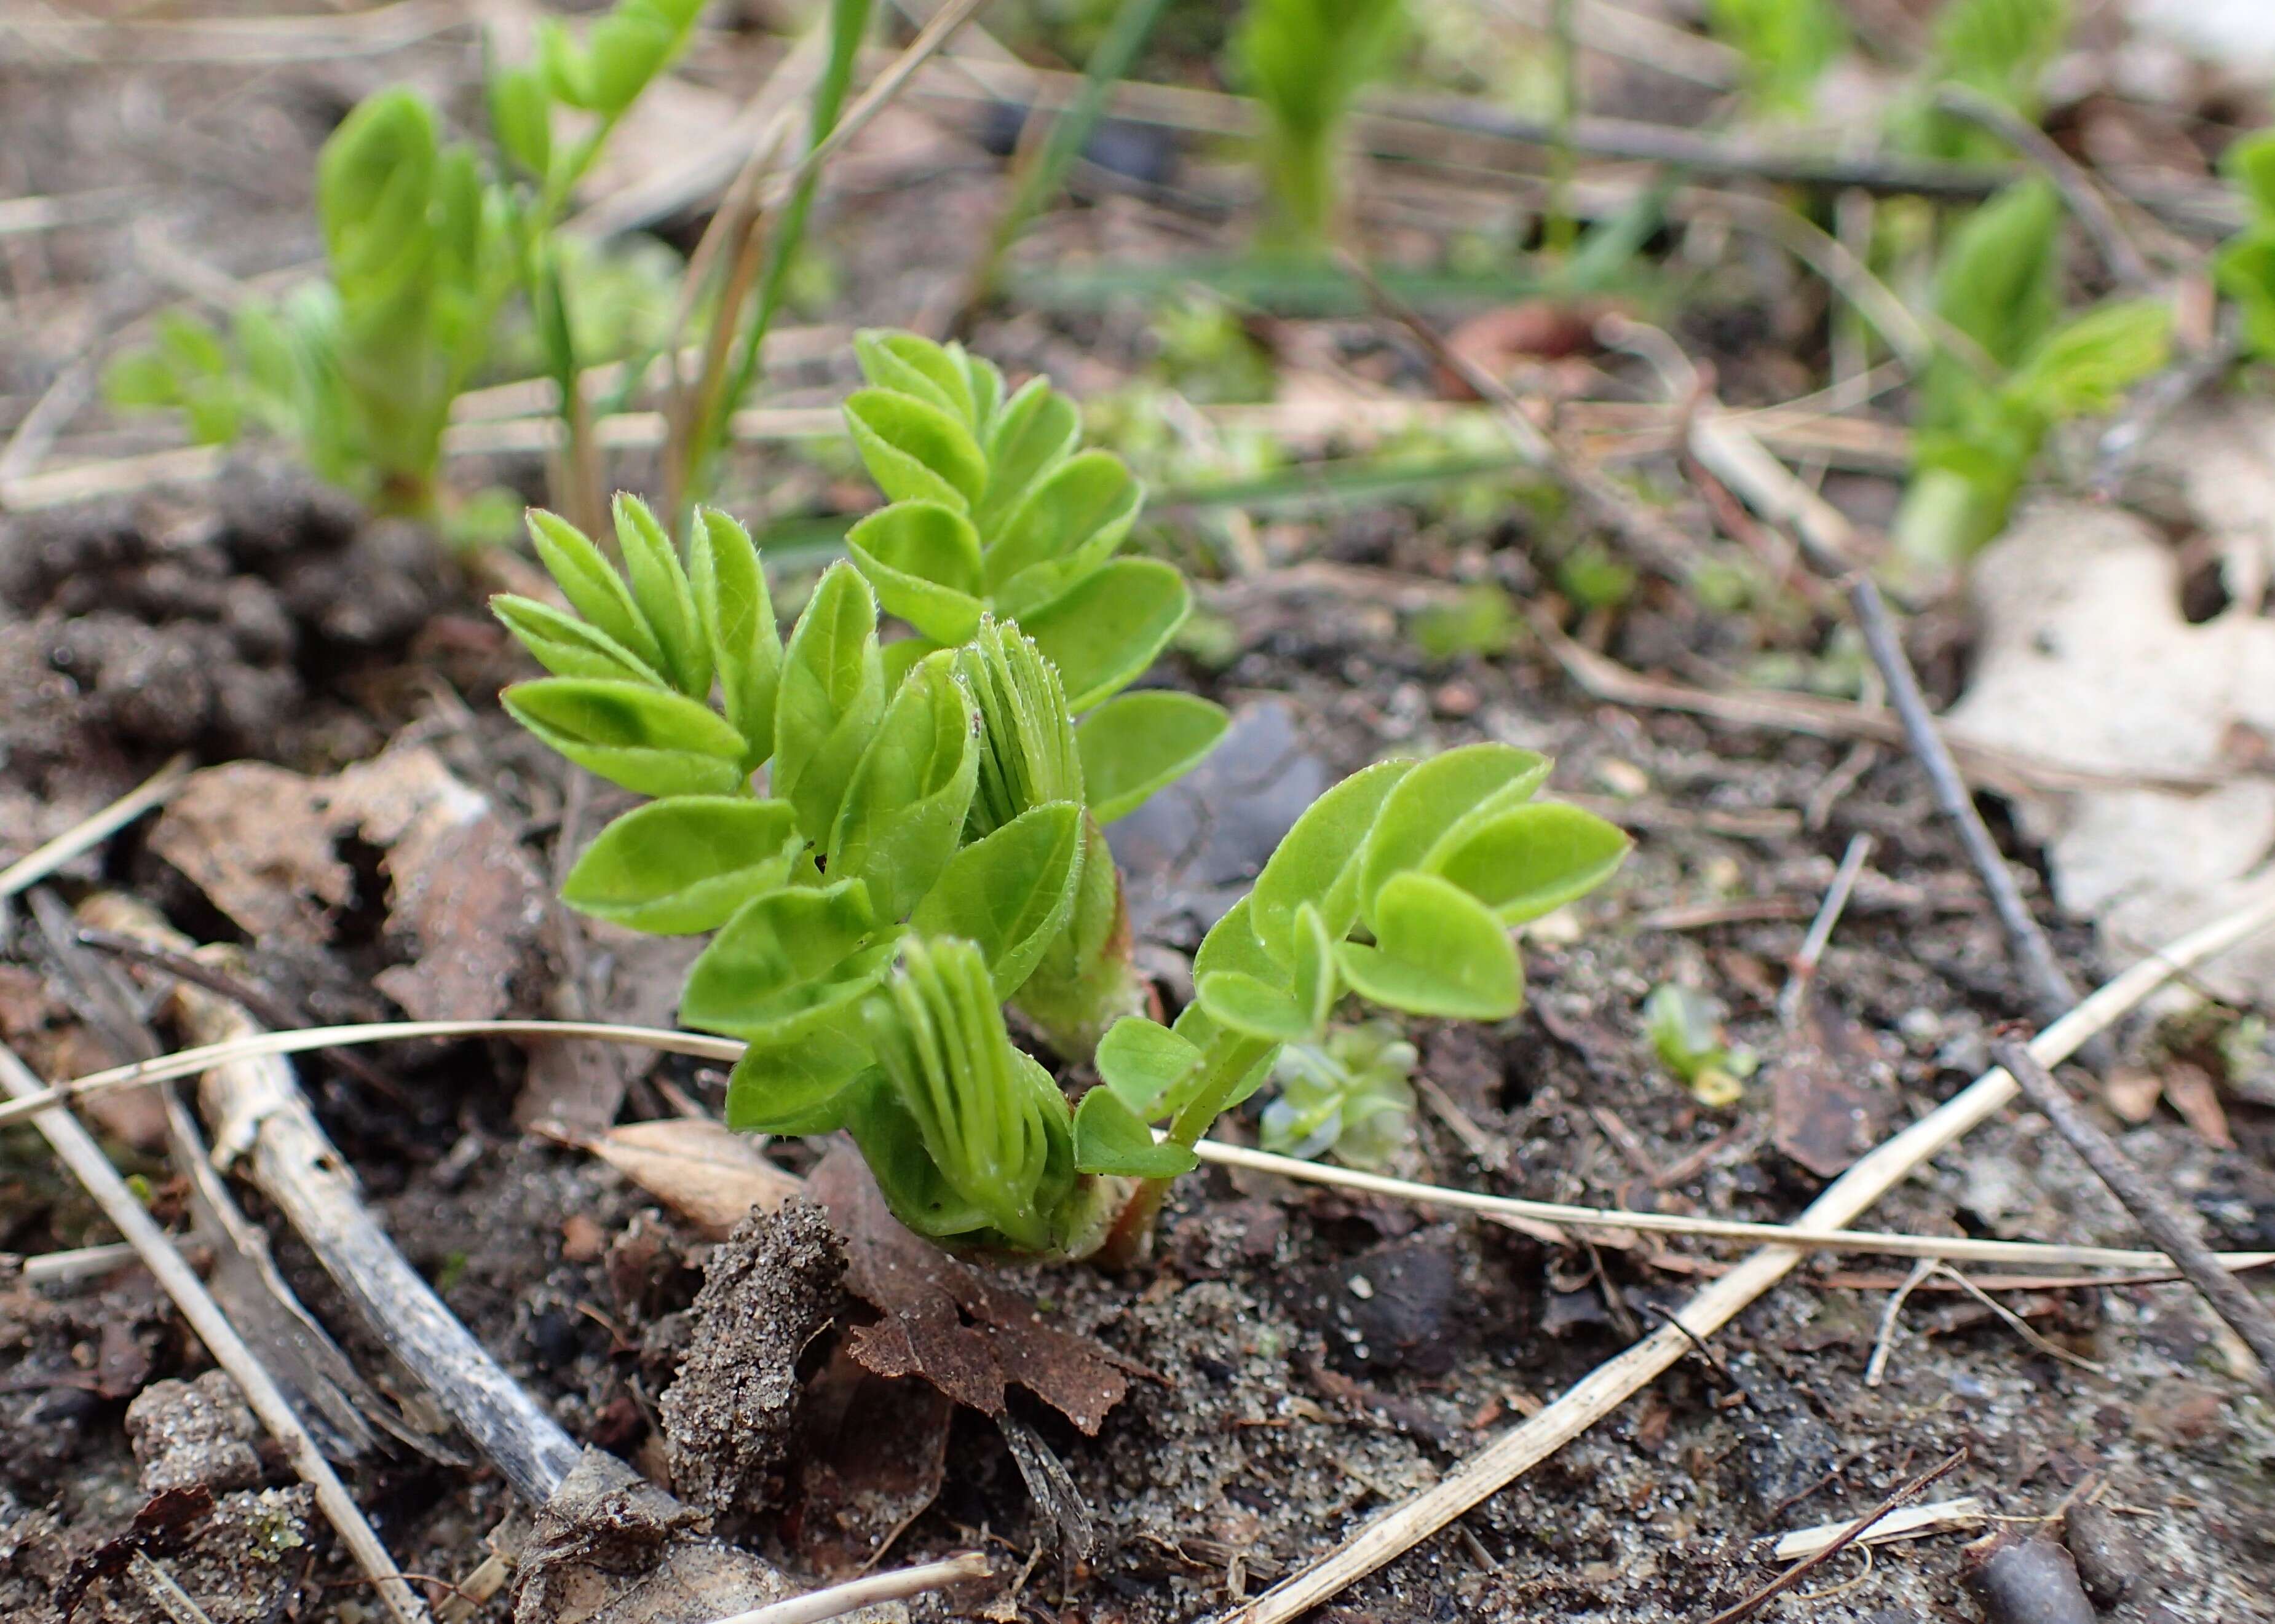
<point x="2245" y="265"/>
<point x="1306" y="61"/>
<point x="925" y="848"/>
<point x="424" y="247"/>
<point x="1977" y="435"/>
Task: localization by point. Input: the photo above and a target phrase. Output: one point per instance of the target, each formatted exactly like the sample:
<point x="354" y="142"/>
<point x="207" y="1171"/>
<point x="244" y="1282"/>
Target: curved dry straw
<point x="188" y="1063"/>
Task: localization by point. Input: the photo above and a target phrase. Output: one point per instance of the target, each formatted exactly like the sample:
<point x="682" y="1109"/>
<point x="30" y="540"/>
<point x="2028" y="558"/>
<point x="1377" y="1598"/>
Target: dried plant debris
<point x="272" y="850"/>
<point x="2088" y="659"/>
<point x="872" y="1454"/>
<point x="711" y="1176"/>
<point x="731" y="1417"/>
<point x="950" y="1322"/>
<point x="238" y="1557"/>
<point x="194" y="1434"/>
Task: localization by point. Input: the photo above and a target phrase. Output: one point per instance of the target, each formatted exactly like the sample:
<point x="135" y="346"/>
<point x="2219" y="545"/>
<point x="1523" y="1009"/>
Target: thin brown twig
<point x="1855" y="1531"/>
<point x="1820" y="936"/>
<point x="2245" y="1314"/>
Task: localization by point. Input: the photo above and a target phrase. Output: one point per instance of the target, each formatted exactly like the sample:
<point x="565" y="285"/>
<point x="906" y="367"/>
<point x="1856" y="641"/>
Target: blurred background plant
<point x="1349" y="1097"/>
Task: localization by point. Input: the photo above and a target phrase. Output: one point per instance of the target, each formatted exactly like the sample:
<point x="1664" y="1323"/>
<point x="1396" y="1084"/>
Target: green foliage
<point x="2245" y="266"/>
<point x="1685" y="1033"/>
<point x="1348" y="1097"/>
<point x="1976" y="437"/>
<point x="1787" y="44"/>
<point x="927" y="846"/>
<point x="1998" y="48"/>
<point x="1306" y="61"/>
<point x="424" y="245"/>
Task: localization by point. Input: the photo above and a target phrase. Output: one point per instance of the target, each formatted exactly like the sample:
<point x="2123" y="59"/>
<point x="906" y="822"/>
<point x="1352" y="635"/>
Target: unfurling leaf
<point x="737" y="617"/>
<point x="832" y="692"/>
<point x="1137" y="743"/>
<point x="568" y="646"/>
<point x="651" y="740"/>
<point x="906" y="805"/>
<point x="1010" y="893"/>
<point x="685" y="864"/>
<point x="1438" y="952"/>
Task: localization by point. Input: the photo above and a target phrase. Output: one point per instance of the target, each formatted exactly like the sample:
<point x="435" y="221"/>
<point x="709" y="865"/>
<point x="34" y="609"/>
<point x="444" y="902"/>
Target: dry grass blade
<point x="1612" y="1383"/>
<point x="840" y="1599"/>
<point x="90" y="832"/>
<point x="240" y="41"/>
<point x="75" y="1148"/>
<point x="1848" y="1536"/>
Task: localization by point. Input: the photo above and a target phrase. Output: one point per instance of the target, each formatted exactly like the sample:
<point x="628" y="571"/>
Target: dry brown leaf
<point x="2192" y="1093"/>
<point x="874" y="1454"/>
<point x="947" y="1322"/>
<point x="704" y="1171"/>
<point x="464" y="905"/>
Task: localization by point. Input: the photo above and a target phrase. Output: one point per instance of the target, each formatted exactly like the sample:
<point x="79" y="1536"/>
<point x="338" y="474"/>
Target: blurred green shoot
<point x="2245" y="266"/>
<point x="1787" y="46"/>
<point x="2000" y="49"/>
<point x="1686" y="1032"/>
<point x="1305" y="61"/>
<point x="1976" y="438"/>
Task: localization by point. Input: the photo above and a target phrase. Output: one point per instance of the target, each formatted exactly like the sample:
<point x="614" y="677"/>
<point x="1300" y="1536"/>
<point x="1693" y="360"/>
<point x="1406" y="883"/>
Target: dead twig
<point x="1820" y="929"/>
<point x="77" y="1150"/>
<point x="1856" y="1530"/>
<point x="1885" y="1343"/>
<point x="2245" y="1314"/>
<point x="1392" y="1533"/>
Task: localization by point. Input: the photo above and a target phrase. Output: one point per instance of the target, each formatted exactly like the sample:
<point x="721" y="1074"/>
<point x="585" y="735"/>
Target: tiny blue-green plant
<point x="925" y="850"/>
<point x="1348" y="1097"/>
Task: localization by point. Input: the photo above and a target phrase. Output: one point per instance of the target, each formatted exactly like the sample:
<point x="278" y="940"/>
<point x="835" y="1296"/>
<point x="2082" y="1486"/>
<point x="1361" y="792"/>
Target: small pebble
<point x="2030" y="1581"/>
<point x="2110" y="1558"/>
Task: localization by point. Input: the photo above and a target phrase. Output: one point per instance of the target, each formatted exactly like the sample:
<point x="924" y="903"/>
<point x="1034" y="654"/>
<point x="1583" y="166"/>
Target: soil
<point x="1310" y="1358"/>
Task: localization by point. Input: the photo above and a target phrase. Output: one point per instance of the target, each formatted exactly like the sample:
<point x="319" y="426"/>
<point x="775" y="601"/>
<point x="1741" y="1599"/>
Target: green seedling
<point x="1685" y="1033"/>
<point x="2245" y="265"/>
<point x="1348" y="1098"/>
<point x="926" y="851"/>
<point x="424" y="244"/>
<point x="1976" y="436"/>
<point x="1787" y="46"/>
<point x="1305" y="61"/>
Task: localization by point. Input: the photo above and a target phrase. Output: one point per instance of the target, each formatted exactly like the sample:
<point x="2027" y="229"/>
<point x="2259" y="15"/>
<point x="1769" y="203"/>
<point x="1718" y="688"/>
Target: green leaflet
<point x="568" y="646"/>
<point x="911" y="364"/>
<point x="1140" y="1058"/>
<point x="1103" y="634"/>
<point x="685" y="864"/>
<point x="666" y="602"/>
<point x="803" y="1085"/>
<point x="1529" y="860"/>
<point x="1436" y="796"/>
<point x="1034" y="431"/>
<point x="1067" y="527"/>
<point x="915" y="450"/>
<point x="592" y="587"/>
<point x="1110" y="1138"/>
<point x="1438" y="952"/>
<point x="1278" y="1008"/>
<point x="1318" y="861"/>
<point x="922" y="559"/>
<point x="737" y="615"/>
<point x="651" y="740"/>
<point x="831" y="694"/>
<point x="1137" y="743"/>
<point x="783" y="959"/>
<point x="1010" y="893"/>
<point x="906" y="803"/>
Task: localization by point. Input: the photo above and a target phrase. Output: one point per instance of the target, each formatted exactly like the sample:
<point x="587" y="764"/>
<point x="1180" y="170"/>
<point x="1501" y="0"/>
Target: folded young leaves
<point x="926" y="850"/>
